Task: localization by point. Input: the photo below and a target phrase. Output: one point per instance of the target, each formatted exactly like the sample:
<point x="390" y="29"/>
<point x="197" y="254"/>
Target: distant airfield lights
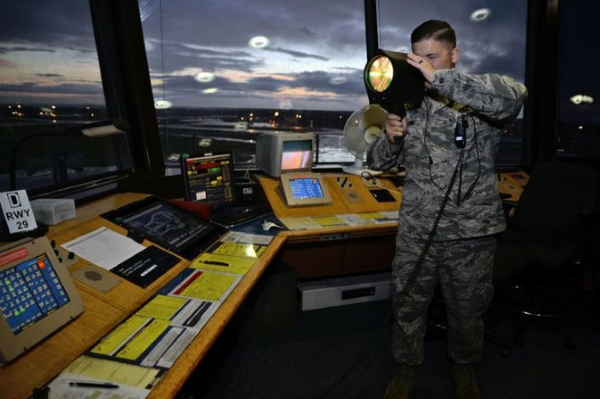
<point x="582" y="99"/>
<point x="162" y="104"/>
<point x="259" y="42"/>
<point x="204" y="77"/>
<point x="480" y="15"/>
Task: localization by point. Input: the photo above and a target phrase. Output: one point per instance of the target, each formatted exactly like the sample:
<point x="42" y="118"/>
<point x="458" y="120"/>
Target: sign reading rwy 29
<point x="17" y="211"/>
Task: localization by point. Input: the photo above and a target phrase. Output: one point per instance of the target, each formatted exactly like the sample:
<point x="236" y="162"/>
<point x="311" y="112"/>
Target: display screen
<point x="209" y="178"/>
<point x="379" y="74"/>
<point x="164" y="224"/>
<point x="304" y="188"/>
<point x="29" y="292"/>
<point x="296" y="155"/>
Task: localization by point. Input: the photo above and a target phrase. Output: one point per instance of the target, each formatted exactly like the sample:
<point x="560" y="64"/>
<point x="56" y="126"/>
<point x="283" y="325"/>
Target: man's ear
<point x="455" y="55"/>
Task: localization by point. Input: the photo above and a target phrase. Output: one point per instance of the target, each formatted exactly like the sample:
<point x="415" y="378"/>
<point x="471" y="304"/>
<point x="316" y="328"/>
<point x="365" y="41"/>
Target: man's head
<point x="436" y="41"/>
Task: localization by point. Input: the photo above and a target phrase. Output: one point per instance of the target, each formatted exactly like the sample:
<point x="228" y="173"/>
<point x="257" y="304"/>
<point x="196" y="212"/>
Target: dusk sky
<point x="214" y="53"/>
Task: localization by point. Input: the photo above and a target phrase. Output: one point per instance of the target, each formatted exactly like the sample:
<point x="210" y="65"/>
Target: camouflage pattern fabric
<point x="464" y="270"/>
<point x="461" y="256"/>
<point x="488" y="101"/>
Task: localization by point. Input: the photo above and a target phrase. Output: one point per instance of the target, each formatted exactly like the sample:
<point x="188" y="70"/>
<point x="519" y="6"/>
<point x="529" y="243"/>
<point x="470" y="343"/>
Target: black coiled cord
<point x="409" y="282"/>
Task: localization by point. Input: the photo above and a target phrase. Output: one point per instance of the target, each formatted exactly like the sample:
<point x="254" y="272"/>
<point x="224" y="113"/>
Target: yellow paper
<point x="208" y="286"/>
<point x="237" y="249"/>
<point x="162" y="307"/>
<point x="116" y="372"/>
<point x="372" y="215"/>
<point x="119" y="335"/>
<point x="143" y="340"/>
<point x="303" y="223"/>
<point x="223" y="263"/>
<point x="329" y="221"/>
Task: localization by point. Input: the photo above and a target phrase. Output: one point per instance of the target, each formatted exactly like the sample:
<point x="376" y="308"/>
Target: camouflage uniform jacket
<point x="430" y="155"/>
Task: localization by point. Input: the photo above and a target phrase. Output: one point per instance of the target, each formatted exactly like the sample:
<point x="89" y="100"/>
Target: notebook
<point x="210" y="178"/>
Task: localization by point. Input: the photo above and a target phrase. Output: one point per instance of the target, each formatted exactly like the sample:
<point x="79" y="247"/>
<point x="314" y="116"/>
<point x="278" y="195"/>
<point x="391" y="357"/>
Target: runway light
<point x="212" y="90"/>
<point x="480" y="15"/>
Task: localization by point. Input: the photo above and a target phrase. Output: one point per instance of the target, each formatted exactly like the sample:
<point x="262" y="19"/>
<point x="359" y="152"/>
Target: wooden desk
<point x="39" y="366"/>
<point x="511" y="185"/>
<point x="314" y="253"/>
<point x="349" y="193"/>
<point x="339" y="250"/>
<point x="346" y="250"/>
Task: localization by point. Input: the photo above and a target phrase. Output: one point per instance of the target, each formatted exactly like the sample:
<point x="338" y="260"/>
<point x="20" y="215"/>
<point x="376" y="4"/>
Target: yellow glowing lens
<point x="380" y="74"/>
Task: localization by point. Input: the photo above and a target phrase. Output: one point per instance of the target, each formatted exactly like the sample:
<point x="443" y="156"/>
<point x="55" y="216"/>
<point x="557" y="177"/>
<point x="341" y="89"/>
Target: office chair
<point x="546" y="236"/>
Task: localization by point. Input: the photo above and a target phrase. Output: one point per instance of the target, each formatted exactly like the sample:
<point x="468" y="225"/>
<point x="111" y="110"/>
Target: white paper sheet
<point x="104" y="247"/>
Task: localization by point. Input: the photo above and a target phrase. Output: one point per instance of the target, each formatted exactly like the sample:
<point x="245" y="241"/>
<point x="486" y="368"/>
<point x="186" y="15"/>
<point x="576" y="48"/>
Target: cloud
<point x="297" y="54"/>
<point x="317" y="48"/>
<point x="7" y="64"/>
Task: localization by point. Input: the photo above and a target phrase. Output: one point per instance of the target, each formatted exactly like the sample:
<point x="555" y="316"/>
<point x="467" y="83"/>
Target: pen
<point x="83" y="384"/>
<point x="214" y="262"/>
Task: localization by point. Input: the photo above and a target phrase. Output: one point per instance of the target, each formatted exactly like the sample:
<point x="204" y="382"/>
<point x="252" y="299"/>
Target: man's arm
<point x="383" y="155"/>
<point x="497" y="97"/>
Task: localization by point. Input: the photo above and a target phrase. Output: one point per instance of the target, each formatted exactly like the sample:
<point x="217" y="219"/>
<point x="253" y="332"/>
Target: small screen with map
<point x="166" y="225"/>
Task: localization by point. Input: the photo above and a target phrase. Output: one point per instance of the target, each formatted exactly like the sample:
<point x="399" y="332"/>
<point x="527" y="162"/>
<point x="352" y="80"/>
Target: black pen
<point x="84" y="384"/>
<point x="214" y="262"/>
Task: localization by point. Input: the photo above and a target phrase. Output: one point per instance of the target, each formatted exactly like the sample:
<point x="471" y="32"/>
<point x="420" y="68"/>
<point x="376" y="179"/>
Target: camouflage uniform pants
<point x="464" y="270"/>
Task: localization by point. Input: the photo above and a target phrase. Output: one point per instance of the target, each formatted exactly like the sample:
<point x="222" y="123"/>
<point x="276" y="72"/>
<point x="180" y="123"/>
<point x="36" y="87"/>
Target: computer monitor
<point x="282" y="152"/>
<point x="304" y="189"/>
<point x="37" y="295"/>
<point x="209" y="178"/>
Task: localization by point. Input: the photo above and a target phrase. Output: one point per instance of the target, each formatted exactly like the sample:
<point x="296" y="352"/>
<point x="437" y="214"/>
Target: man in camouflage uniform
<point x="460" y="255"/>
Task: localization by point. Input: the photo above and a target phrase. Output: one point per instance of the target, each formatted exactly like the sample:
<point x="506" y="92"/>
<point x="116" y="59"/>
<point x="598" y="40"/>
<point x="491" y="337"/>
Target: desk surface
<point x="41" y="364"/>
<point x="103" y="312"/>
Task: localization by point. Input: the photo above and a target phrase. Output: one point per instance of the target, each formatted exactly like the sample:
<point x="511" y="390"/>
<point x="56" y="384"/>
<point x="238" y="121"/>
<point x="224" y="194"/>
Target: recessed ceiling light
<point x="162" y="104"/>
<point x="582" y="98"/>
<point x="204" y="77"/>
<point x="480" y="15"/>
<point x="259" y="42"/>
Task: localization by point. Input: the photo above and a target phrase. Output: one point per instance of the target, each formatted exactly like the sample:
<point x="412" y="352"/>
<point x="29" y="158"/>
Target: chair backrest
<point x="556" y="196"/>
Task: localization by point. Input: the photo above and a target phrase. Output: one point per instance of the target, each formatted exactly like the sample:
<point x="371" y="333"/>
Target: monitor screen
<point x="163" y="223"/>
<point x="284" y="152"/>
<point x="296" y="155"/>
<point x="37" y="295"/>
<point x="306" y="187"/>
<point x="209" y="178"/>
<point x="29" y="292"/>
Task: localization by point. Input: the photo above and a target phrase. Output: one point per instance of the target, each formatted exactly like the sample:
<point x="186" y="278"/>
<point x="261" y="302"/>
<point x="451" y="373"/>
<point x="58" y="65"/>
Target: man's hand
<point x="423" y="65"/>
<point x="395" y="128"/>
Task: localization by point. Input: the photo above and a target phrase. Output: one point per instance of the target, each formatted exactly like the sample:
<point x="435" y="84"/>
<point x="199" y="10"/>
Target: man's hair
<point x="433" y="29"/>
